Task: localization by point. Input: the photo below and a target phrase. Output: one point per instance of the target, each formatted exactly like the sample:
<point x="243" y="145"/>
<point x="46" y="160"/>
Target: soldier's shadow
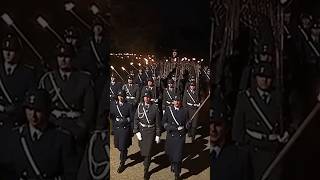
<point x="162" y="159"/>
<point x="136" y="157"/>
<point x="197" y="158"/>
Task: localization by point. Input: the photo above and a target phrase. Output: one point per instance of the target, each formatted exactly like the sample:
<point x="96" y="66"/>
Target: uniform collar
<point x="62" y="74"/>
<point x="12" y="66"/>
<point x="34" y="130"/>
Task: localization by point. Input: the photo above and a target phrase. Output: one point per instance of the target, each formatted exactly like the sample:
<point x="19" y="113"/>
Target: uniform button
<point x="1" y="123"/>
<point x="44" y="175"/>
<point x="255" y="149"/>
<point x="16" y="123"/>
<point x="258" y="123"/>
<point x="16" y="99"/>
<point x="1" y="97"/>
<point x="25" y="173"/>
<point x="72" y="105"/>
<point x="56" y="104"/>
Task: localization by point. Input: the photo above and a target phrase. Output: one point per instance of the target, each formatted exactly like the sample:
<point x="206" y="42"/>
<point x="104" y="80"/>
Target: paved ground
<point x="195" y="164"/>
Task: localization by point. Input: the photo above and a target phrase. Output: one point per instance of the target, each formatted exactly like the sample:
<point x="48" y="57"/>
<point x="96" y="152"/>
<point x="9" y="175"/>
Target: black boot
<point x="172" y="167"/>
<point x="123" y="158"/>
<point x="177" y="170"/>
<point x="146" y="167"/>
<point x="121" y="167"/>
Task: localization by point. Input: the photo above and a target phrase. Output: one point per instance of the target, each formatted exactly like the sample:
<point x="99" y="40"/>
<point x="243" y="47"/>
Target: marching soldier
<point x="122" y="115"/>
<point x="140" y="79"/>
<point x="15" y="80"/>
<point x="114" y="87"/>
<point x="191" y="101"/>
<point x="168" y="95"/>
<point x="132" y="92"/>
<point x="155" y="92"/>
<point x="39" y="149"/>
<point x="175" y="122"/>
<point x="223" y="152"/>
<point x="256" y="121"/>
<point x="95" y="52"/>
<point x="72" y="95"/>
<point x="147" y="129"/>
<point x="71" y="36"/>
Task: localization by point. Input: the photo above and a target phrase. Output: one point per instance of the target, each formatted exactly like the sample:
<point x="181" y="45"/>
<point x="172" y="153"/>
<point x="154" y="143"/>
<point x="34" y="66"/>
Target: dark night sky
<point x="138" y="25"/>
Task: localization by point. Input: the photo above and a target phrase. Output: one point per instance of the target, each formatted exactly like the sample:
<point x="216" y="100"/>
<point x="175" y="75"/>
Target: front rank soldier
<point x="72" y="95"/>
<point x="256" y="122"/>
<point x="147" y="129"/>
<point x="132" y="92"/>
<point x="15" y="80"/>
<point x="191" y="101"/>
<point x="122" y="117"/>
<point x="39" y="149"/>
<point x="175" y="121"/>
<point x="168" y="95"/>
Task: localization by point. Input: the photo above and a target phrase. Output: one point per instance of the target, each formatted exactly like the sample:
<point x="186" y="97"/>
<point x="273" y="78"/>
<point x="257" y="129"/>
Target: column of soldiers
<point x="51" y="124"/>
<point x="266" y="115"/>
<point x="145" y="107"/>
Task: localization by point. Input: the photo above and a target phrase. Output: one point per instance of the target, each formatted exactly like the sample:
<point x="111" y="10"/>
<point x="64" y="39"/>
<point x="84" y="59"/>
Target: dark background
<point x="139" y="26"/>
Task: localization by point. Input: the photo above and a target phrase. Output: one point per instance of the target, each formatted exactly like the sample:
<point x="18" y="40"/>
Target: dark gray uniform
<point x="132" y="94"/>
<point x="168" y="96"/>
<point x="16" y="85"/>
<point x="173" y="119"/>
<point x="73" y="107"/>
<point x="147" y="122"/>
<point x="155" y="93"/>
<point x="191" y="101"/>
<point x="249" y="129"/>
<point x="53" y="153"/>
<point x="122" y="123"/>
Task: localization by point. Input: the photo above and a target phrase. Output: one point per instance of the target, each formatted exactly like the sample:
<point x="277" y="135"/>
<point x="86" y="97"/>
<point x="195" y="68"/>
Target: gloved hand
<point x="284" y="138"/>
<point x="180" y="128"/>
<point x="138" y="134"/>
<point x="157" y="139"/>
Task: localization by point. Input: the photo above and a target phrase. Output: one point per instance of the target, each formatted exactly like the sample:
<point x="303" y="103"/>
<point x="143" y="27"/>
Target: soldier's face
<point x="130" y="81"/>
<point x="64" y="63"/>
<point x="120" y="98"/>
<point x="264" y="83"/>
<point x="217" y="133"/>
<point x="177" y="104"/>
<point x="140" y="71"/>
<point x="9" y="56"/>
<point x="192" y="87"/>
<point x="150" y="83"/>
<point x="146" y="99"/>
<point x="97" y="30"/>
<point x="306" y="23"/>
<point x="170" y="85"/>
<point x="113" y="79"/>
<point x="35" y="118"/>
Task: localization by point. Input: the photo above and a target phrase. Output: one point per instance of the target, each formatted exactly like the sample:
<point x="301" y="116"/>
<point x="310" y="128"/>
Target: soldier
<point x="140" y="79"/>
<point x="15" y="80"/>
<point x="114" y="87"/>
<point x="132" y="92"/>
<point x="147" y="129"/>
<point x="39" y="149"/>
<point x="175" y="122"/>
<point x="223" y="153"/>
<point x="71" y="36"/>
<point x="155" y="92"/>
<point x="168" y="95"/>
<point x="256" y="121"/>
<point x="191" y="101"/>
<point x="95" y="52"/>
<point x="122" y="114"/>
<point x="72" y="96"/>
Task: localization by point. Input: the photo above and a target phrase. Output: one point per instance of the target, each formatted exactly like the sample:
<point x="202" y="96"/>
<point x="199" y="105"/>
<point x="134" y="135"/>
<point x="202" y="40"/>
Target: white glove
<point x="138" y="134"/>
<point x="163" y="111"/>
<point x="157" y="139"/>
<point x="180" y="128"/>
<point x="284" y="138"/>
<point x="318" y="97"/>
<point x="156" y="100"/>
